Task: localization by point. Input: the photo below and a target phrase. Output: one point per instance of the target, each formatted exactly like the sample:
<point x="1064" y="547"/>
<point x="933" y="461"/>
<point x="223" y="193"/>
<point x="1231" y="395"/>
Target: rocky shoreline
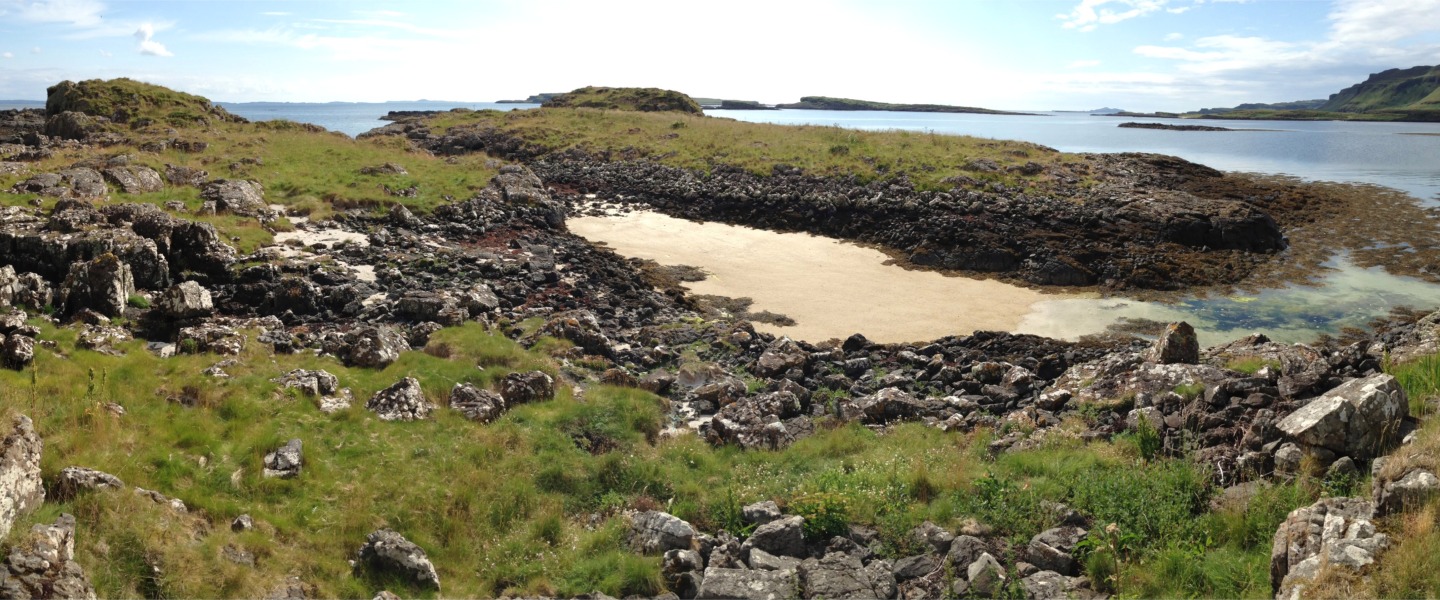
<point x="1250" y="411"/>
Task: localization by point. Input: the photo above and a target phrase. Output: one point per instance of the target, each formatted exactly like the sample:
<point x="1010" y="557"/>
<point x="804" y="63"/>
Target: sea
<point x="1404" y="156"/>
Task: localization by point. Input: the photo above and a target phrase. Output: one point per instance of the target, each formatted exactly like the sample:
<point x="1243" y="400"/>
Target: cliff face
<point x="1413" y="88"/>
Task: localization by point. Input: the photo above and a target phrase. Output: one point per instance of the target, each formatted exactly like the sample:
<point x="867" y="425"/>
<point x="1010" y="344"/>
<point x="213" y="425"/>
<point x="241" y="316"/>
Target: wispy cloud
<point x="275" y="13"/>
<point x="1090" y="14"/>
<point x="35" y="50"/>
<point x="80" y="13"/>
<point x="1170" y="37"/>
<point x="148" y="46"/>
<point x="1084" y="64"/>
<point x="8" y="55"/>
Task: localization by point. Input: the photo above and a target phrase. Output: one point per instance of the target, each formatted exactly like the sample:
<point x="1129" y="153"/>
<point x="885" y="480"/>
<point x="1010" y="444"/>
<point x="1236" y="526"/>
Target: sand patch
<point x="831" y="288"/>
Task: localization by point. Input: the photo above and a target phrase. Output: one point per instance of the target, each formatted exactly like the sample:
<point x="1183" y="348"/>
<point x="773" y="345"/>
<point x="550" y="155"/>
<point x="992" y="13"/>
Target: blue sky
<point x="1019" y="54"/>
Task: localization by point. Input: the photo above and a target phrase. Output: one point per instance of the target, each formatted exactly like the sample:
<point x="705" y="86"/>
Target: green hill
<point x="1416" y="88"/>
<point x="635" y="99"/>
<point x="126" y="100"/>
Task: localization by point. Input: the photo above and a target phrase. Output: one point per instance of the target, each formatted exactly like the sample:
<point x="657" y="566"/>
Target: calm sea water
<point x="1388" y="154"/>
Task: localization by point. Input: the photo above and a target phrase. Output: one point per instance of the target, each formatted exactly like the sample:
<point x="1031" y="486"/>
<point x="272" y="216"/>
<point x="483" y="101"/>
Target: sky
<point x="1004" y="54"/>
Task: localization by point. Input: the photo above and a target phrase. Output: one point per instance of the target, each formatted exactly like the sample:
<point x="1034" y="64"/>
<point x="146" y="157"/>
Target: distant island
<point x="1169" y="127"/>
<point x="738" y="105"/>
<point x="828" y="103"/>
<point x="536" y="99"/>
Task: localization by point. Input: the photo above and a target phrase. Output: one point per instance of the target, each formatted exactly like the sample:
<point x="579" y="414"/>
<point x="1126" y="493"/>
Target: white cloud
<point x="106" y="53"/>
<point x="80" y="13"/>
<point x="8" y="55"/>
<point x="148" y="46"/>
<point x="1170" y="37"/>
<point x="1090" y="14"/>
<point x="1179" y="10"/>
<point x="1084" y="64"/>
<point x="35" y="50"/>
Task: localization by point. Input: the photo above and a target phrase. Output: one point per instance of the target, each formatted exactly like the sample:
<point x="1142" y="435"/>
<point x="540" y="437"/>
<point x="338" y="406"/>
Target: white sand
<point x="830" y="288"/>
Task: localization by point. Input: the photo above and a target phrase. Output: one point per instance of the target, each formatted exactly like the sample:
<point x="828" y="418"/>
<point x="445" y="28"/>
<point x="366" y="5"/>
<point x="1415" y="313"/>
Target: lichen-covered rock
<point x="236" y="196"/>
<point x="437" y="306"/>
<point x="1409" y="489"/>
<point x="770" y="421"/>
<point x="21" y="489"/>
<point x="1359" y="419"/>
<point x="134" y="179"/>
<point x="17" y="350"/>
<point x="403" y="401"/>
<point x="1335" y="533"/>
<point x="102" y="338"/>
<point x="76" y="480"/>
<point x="532" y="386"/>
<point x="387" y="550"/>
<point x="42" y="565"/>
<point x="375" y="346"/>
<point x="654" y="533"/>
<point x="285" y="462"/>
<point x="475" y="403"/>
<point x="578" y="326"/>
<point x="749" y="584"/>
<point x="103" y="285"/>
<point x="311" y="383"/>
<point x="210" y="337"/>
<point x="841" y="575"/>
<point x="185" y="176"/>
<point x="1178" y="344"/>
<point x="186" y="300"/>
<point x="1051" y="549"/>
<point x="781" y="537"/>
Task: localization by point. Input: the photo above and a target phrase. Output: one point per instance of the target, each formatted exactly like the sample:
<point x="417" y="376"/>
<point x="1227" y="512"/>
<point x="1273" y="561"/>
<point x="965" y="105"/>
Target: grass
<point x="701" y="143"/>
<point x="1251" y="365"/>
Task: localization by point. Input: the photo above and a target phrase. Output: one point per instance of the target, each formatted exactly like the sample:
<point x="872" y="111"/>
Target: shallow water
<point x="834" y="288"/>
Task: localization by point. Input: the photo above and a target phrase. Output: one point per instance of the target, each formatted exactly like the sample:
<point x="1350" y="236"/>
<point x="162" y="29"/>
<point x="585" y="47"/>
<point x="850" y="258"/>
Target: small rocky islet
<point x="139" y="237"/>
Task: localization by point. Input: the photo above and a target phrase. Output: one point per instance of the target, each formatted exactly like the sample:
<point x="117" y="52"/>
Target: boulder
<point x="186" y="300"/>
<point x="74" y="481"/>
<point x="889" y="404"/>
<point x="780" y="357"/>
<point x="965" y="549"/>
<point x="185" y="176"/>
<point x="1359" y="419"/>
<point x="520" y="388"/>
<point x="388" y="551"/>
<point x="21" y="489"/>
<point x="653" y="532"/>
<point x="438" y="306"/>
<point x="236" y="196"/>
<point x="242" y="523"/>
<point x="915" y="567"/>
<point x="577" y="326"/>
<point x="285" y="461"/>
<point x="374" y="346"/>
<point x="102" y="338"/>
<point x="747" y="584"/>
<point x="478" y="299"/>
<point x="760" y="559"/>
<point x="403" y="401"/>
<point x="17" y="350"/>
<point x="210" y="337"/>
<point x="1408" y="490"/>
<point x="310" y="383"/>
<point x="760" y="513"/>
<point x="475" y="403"/>
<point x="1051" y="549"/>
<point x="985" y="576"/>
<point x="103" y="284"/>
<point x="1334" y="533"/>
<point x="134" y="179"/>
<point x="771" y="420"/>
<point x="782" y="537"/>
<point x="841" y="575"/>
<point x="42" y="565"/>
<point x="1178" y="344"/>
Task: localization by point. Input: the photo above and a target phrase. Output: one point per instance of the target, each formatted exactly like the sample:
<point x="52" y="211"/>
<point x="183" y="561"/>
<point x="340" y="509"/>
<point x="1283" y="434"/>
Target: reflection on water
<point x="1347" y="296"/>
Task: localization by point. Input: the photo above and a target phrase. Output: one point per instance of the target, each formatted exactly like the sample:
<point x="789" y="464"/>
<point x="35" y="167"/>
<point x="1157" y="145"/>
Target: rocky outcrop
<point x="475" y="403"/>
<point x="1401" y="490"/>
<point x="240" y="197"/>
<point x="1359" y="419"/>
<point x="186" y="300"/>
<point x="1178" y="344"/>
<point x="375" y="346"/>
<point x="42" y="565"/>
<point x="522" y="388"/>
<point x="1333" y="533"/>
<point x="387" y="551"/>
<point x="750" y="584"/>
<point x="21" y="490"/>
<point x="74" y="481"/>
<point x="103" y="285"/>
<point x="311" y="383"/>
<point x="403" y="401"/>
<point x="134" y="179"/>
<point x="654" y="532"/>
<point x="841" y="575"/>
